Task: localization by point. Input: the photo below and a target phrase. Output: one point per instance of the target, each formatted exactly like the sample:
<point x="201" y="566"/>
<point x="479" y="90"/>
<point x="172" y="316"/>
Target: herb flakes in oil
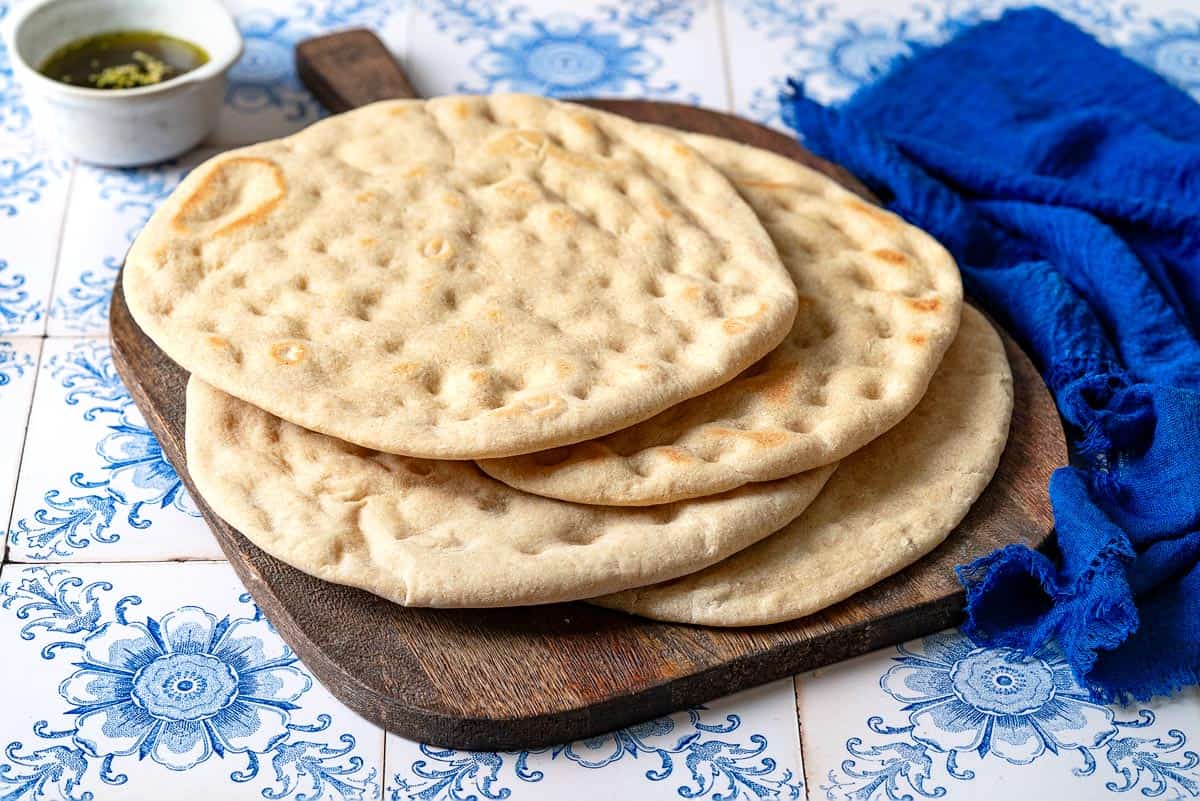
<point x="123" y="60"/>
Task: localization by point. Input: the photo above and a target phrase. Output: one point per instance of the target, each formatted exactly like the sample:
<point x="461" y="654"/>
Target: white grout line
<point x="726" y="55"/>
<point x="800" y="737"/>
<point x="58" y="248"/>
<point x="12" y="506"/>
<point x="383" y="765"/>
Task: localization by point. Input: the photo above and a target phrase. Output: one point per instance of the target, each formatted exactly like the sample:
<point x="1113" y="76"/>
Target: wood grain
<point x="521" y="678"/>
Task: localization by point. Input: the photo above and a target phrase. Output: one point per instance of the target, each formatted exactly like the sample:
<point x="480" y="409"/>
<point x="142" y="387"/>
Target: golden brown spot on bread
<point x="563" y="368"/>
<point x="924" y="304"/>
<point x="478" y="377"/>
<point x="676" y="454"/>
<point x="583" y="123"/>
<point x="916" y="339"/>
<point x="218" y="342"/>
<point x="461" y="110"/>
<point x="692" y="292"/>
<point x="408" y="369"/>
<point x="363" y="197"/>
<point x="732" y="327"/>
<point x="890" y="256"/>
<point x="519" y="143"/>
<point x="759" y="312"/>
<point x="518" y="189"/>
<point x="777" y="386"/>
<point x="400" y="111"/>
<point x="662" y="210"/>
<point x="562" y="217"/>
<point x="874" y="212"/>
<point x="543" y="406"/>
<point x="765" y="439"/>
<point x="221" y="191"/>
<point x="642" y="366"/>
<point x="682" y="150"/>
<point x="452" y="200"/>
<point x="437" y="248"/>
<point x="417" y="171"/>
<point x="367" y="241"/>
<point x="289" y="352"/>
<point x="577" y="160"/>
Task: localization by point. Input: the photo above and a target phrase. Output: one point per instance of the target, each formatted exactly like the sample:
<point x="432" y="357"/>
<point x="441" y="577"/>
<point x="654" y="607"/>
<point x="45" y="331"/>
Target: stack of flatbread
<point x="490" y="351"/>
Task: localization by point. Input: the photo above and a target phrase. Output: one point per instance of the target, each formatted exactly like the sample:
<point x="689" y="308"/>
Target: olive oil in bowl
<point x="122" y="60"/>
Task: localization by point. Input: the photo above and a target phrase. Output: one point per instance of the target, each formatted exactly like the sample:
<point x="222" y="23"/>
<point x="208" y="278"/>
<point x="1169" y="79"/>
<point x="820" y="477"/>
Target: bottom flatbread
<point x="440" y="533"/>
<point x="888" y="504"/>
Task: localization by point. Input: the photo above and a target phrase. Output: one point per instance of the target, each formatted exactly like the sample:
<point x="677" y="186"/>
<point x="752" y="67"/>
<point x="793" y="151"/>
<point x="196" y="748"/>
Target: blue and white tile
<point x="940" y="717"/>
<point x="18" y="368"/>
<point x="835" y="48"/>
<point x="34" y="187"/>
<point x="94" y="484"/>
<point x="265" y="98"/>
<point x="15" y="122"/>
<point x="742" y="747"/>
<point x="145" y="682"/>
<point x="107" y="209"/>
<point x="1168" y="44"/>
<point x="631" y="48"/>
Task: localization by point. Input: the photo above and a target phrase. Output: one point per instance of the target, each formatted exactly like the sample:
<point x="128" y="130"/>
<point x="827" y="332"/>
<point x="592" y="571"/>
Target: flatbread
<point x="461" y="277"/>
<point x="439" y="533"/>
<point x="880" y="303"/>
<point x="887" y="505"/>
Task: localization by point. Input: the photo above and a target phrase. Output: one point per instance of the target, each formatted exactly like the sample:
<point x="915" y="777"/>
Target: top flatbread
<point x="438" y="533"/>
<point x="461" y="277"/>
<point x="879" y="305"/>
<point x="885" y="507"/>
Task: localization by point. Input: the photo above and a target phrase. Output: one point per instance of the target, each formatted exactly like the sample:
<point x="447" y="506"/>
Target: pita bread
<point x="461" y="277"/>
<point x="439" y="533"/>
<point x="880" y="303"/>
<point x="888" y="505"/>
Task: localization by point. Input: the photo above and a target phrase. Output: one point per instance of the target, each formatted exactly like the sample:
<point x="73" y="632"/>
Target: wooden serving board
<point x="527" y="677"/>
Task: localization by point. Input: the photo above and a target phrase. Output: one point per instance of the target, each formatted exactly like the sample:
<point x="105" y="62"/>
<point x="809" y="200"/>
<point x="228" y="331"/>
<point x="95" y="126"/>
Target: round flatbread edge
<point x="441" y="533"/>
<point x="887" y="506"/>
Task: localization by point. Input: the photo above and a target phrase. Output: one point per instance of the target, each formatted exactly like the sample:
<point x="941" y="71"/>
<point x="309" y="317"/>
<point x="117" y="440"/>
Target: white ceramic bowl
<point x="124" y="127"/>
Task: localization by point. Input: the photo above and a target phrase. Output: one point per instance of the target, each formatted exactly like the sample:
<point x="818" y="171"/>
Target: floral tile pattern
<point x="265" y="99"/>
<point x="837" y="47"/>
<point x="941" y="716"/>
<point x="126" y="676"/>
<point x="33" y="194"/>
<point x="743" y="746"/>
<point x="640" y="48"/>
<point x="18" y="367"/>
<point x="14" y="114"/>
<point x="94" y="484"/>
<point x="164" y="681"/>
<point x="91" y="254"/>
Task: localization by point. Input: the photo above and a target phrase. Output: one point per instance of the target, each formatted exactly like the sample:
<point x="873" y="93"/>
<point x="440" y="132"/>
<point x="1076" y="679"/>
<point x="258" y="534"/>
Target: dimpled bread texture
<point x="462" y="277"/>
<point x="879" y="304"/>
<point x="441" y="533"/>
<point x="888" y="504"/>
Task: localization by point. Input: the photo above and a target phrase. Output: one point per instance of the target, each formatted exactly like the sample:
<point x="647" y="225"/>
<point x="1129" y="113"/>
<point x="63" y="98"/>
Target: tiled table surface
<point x="132" y="664"/>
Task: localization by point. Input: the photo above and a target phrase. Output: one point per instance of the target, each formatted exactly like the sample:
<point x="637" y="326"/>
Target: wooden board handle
<point x="349" y="69"/>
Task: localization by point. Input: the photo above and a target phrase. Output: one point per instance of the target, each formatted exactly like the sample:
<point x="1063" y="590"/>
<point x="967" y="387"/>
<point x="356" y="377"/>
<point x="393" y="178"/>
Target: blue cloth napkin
<point x="1066" y="181"/>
